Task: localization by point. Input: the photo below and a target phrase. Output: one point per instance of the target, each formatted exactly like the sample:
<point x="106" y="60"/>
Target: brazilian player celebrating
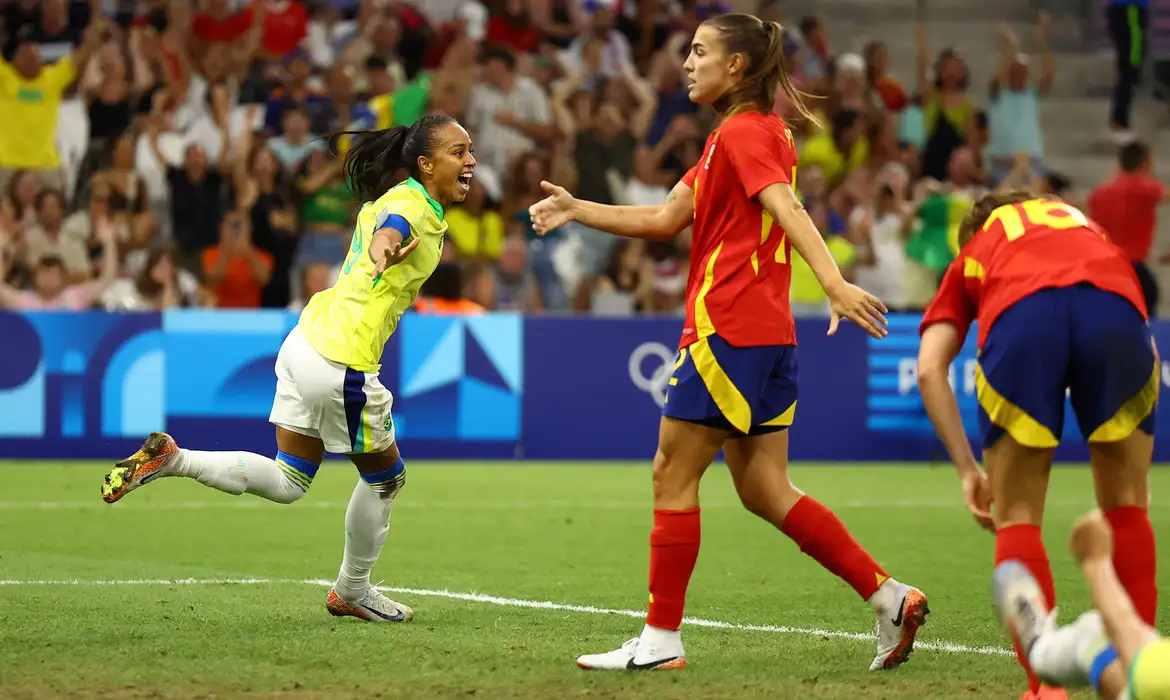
<point x="328" y="396"/>
<point x="1111" y="648"/>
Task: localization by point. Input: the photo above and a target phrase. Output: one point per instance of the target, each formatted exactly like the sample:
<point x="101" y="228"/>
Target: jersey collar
<point x="416" y="185"/>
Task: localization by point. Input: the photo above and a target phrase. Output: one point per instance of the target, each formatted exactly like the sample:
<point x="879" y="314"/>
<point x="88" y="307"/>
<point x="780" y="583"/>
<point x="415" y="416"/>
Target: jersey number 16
<point x="1039" y="212"/>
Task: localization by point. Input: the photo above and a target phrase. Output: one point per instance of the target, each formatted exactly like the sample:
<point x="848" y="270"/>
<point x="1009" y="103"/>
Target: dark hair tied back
<point x="375" y="161"/>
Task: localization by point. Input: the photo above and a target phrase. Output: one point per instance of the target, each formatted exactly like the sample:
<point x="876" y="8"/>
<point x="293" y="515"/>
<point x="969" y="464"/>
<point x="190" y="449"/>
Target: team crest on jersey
<point x="388" y="424"/>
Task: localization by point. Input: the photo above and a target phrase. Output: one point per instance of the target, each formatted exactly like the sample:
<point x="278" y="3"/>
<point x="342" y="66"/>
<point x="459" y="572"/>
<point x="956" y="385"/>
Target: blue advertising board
<point x="500" y="386"/>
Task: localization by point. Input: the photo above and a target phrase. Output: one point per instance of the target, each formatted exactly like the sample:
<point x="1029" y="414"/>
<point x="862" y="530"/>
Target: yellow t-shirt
<point x="479" y="237"/>
<point x="28" y="112"/>
<point x="350" y="322"/>
<point x="805" y="289"/>
<point x="822" y="151"/>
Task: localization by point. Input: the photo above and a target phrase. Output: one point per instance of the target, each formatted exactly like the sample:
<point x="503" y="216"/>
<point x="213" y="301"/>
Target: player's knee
<point x="673" y="480"/>
<point x="770" y="502"/>
<point x="387" y="482"/>
<point x="298" y="474"/>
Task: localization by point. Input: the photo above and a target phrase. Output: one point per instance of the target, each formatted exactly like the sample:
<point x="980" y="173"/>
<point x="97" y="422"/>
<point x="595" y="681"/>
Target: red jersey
<point x="1127" y="207"/>
<point x="1023" y="248"/>
<point x="740" y="259"/>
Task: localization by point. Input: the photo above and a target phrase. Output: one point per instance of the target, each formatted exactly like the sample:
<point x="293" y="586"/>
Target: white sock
<point x="659" y="639"/>
<point x="241" y="472"/>
<point x="1061" y="657"/>
<point x="883" y="599"/>
<point x="367" y="523"/>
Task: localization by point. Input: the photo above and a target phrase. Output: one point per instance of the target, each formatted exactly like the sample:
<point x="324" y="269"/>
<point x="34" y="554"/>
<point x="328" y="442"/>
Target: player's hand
<point x="977" y="495"/>
<point x="387" y="251"/>
<point x="861" y="307"/>
<point x="1091" y="538"/>
<point x="553" y="211"/>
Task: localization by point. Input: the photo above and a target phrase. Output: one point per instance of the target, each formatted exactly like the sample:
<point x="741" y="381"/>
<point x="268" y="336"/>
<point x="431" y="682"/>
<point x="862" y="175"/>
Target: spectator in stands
<point x="156" y="284"/>
<point x="840" y="150"/>
<point x="613" y="46"/>
<point x="295" y="141"/>
<point x="508" y="112"/>
<point x="52" y="290"/>
<point x="326" y="210"/>
<point x="1129" y="21"/>
<point x="947" y="109"/>
<point x="515" y="288"/>
<point x="1014" y="113"/>
<point x="236" y="270"/>
<point x="443" y="293"/>
<point x="315" y="277"/>
<point x="47" y="239"/>
<point x="475" y="226"/>
<point x="1127" y="207"/>
<point x="127" y="189"/>
<point x="884" y="88"/>
<point x="30" y="100"/>
<point x="20" y="202"/>
<point x="524" y="185"/>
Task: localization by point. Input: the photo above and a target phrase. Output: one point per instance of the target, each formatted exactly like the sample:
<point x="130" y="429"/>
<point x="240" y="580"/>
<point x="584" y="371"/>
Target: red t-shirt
<point x="239" y="288"/>
<point x="1022" y="249"/>
<point x="502" y="31"/>
<point x="740" y="260"/>
<point x="1127" y="208"/>
<point x="220" y="31"/>
<point x="286" y="23"/>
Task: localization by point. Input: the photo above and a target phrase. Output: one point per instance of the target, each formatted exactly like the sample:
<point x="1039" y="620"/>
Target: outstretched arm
<point x="1092" y="544"/>
<point x="656" y="223"/>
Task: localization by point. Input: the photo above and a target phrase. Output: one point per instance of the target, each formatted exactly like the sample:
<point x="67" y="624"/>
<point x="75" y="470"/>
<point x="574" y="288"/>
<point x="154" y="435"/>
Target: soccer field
<point x="512" y="570"/>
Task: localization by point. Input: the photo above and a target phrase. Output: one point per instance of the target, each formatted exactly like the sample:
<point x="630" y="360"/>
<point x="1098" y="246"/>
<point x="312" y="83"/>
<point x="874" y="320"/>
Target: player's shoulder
<point x="754" y="125"/>
<point x="410" y="203"/>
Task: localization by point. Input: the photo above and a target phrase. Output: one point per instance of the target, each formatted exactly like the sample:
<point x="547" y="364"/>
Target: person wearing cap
<point x="30" y="98"/>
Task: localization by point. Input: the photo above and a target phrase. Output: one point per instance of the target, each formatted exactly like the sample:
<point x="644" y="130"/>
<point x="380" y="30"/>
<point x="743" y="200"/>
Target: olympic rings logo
<point x="661" y="359"/>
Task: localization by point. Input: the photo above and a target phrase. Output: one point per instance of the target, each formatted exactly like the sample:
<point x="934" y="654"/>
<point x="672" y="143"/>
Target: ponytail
<point x="377" y="160"/>
<point x="372" y="163"/>
<point x="762" y="46"/>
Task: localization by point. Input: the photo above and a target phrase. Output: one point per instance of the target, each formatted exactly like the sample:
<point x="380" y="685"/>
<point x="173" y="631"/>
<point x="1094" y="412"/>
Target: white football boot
<point x="898" y="625"/>
<point x="372" y="606"/>
<point x="637" y="655"/>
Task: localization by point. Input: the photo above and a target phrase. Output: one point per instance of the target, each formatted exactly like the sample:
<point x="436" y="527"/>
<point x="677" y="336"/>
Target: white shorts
<point x="347" y="410"/>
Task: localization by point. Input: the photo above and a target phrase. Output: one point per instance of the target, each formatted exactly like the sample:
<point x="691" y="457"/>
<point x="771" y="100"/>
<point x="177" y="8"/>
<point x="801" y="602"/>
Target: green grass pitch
<point x="181" y="591"/>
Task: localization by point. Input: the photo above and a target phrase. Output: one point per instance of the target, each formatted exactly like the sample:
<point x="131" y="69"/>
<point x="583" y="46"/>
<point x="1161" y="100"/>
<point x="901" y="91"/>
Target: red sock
<point x="821" y="535"/>
<point x="1133" y="558"/>
<point x="674" y="549"/>
<point x="1023" y="543"/>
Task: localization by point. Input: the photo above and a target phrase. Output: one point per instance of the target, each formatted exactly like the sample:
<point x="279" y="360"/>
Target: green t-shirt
<point x="930" y="244"/>
<point x="410" y="102"/>
<point x="332" y="204"/>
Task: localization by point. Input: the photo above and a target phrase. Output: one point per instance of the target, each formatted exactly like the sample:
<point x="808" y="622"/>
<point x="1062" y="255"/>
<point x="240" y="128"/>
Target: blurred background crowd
<point x="166" y="153"/>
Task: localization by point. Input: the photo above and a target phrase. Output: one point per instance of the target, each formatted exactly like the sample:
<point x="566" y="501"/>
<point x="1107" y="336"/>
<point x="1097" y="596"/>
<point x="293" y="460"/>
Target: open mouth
<point x="465" y="181"/>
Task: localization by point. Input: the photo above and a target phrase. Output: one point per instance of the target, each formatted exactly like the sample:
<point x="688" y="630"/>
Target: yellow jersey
<point x="350" y="322"/>
<point x="29" y="110"/>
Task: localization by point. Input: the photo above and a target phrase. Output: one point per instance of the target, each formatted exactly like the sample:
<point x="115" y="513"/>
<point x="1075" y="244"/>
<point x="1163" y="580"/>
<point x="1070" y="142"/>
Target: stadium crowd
<point x="162" y="153"/>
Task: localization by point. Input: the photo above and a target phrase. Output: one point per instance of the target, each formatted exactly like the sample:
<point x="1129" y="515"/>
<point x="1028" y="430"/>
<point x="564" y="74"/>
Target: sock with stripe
<point x="674" y="549"/>
<point x="821" y="535"/>
<point x="1134" y="558"/>
<point x="367" y="524"/>
<point x="1023" y="543"/>
<point x="282" y="480"/>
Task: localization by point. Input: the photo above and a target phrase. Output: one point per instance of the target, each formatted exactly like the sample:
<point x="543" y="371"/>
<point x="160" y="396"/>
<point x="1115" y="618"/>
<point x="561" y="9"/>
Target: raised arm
<point x="656" y="223"/>
<point x="1047" y="63"/>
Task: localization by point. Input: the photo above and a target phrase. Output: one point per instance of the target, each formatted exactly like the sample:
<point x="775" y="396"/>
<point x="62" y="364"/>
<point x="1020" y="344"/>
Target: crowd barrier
<point x="500" y="386"/>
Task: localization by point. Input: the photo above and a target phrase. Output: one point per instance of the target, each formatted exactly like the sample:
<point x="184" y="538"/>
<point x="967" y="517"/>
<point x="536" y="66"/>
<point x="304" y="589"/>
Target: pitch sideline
<point x="481" y="598"/>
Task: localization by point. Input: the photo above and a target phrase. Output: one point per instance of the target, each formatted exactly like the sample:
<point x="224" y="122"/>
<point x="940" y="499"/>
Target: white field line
<point x="406" y="502"/>
<point x="484" y="599"/>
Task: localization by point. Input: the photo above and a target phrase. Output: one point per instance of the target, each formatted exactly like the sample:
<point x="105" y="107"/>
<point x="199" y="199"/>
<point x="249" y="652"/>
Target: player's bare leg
<point x="1019" y="485"/>
<point x="1121" y="478"/>
<point x="367" y="524"/>
<point x="281" y="480"/>
<point x="759" y="468"/>
<point x="685" y="450"/>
